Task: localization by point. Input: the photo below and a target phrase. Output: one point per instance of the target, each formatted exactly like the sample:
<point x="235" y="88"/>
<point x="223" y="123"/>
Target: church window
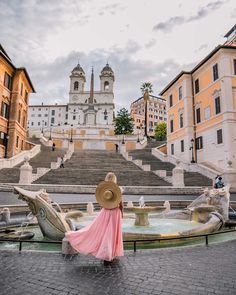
<point x="74" y="117"/>
<point x="105" y="115"/>
<point x="76" y="85"/>
<point x="106" y="85"/>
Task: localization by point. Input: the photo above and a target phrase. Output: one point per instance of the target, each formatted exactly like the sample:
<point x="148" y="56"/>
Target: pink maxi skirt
<point x="102" y="238"/>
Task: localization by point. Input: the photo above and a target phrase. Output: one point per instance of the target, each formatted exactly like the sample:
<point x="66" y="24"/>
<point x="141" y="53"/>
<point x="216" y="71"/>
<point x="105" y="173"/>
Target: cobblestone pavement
<point x="191" y="270"/>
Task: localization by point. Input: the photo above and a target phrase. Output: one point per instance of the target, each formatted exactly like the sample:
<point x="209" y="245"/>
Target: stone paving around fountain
<point x="196" y="270"/>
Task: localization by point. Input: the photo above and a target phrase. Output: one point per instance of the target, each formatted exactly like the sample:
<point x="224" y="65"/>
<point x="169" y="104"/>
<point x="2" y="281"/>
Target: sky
<point x="142" y="40"/>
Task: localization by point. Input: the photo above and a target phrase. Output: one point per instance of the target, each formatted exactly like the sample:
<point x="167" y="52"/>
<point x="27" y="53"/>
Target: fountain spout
<point x="141" y="202"/>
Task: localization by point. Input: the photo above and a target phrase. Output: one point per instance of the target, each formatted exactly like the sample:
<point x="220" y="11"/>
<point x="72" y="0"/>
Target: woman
<point x="103" y="237"/>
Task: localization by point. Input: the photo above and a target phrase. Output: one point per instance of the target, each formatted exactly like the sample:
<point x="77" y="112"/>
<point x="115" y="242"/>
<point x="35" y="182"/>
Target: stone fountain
<point x="142" y="212"/>
<point x="52" y="221"/>
<point x="206" y="214"/>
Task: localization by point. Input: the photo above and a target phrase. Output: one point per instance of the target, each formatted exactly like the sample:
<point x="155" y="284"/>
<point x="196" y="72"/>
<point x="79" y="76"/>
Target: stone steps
<point x="91" y="167"/>
<point x="43" y="159"/>
<point x="190" y="178"/>
<point x="10" y="175"/>
<point x="93" y="177"/>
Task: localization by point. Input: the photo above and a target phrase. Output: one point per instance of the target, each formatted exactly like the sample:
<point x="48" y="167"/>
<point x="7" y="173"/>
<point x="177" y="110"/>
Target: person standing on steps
<point x="53" y="146"/>
<point x="62" y="163"/>
<point x="103" y="237"/>
<point x="117" y="147"/>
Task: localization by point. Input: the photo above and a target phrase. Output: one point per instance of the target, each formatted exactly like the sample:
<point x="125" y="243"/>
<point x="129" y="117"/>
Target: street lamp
<point x="123" y="132"/>
<point x="6" y="145"/>
<point x="50" y="136"/>
<point x="42" y="125"/>
<point x="192" y="149"/>
<point x="138" y="140"/>
<point x="71" y="133"/>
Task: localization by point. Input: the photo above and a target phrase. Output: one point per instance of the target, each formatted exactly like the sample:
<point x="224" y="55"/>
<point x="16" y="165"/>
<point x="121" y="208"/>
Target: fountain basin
<point x="141" y="213"/>
<point x="16" y="235"/>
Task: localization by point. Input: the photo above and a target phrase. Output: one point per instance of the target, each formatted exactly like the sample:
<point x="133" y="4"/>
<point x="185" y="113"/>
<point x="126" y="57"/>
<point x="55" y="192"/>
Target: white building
<point x="85" y="108"/>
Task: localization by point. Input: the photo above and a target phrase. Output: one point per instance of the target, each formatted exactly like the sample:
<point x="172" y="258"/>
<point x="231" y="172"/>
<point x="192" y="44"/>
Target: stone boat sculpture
<point x="52" y="221"/>
<point x="210" y="210"/>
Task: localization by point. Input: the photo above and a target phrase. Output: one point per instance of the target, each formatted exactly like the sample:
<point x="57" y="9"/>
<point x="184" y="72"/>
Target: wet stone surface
<point x="191" y="270"/>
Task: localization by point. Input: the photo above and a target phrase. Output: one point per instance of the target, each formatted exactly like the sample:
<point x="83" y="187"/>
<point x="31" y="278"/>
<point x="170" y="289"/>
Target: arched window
<point x="105" y="115"/>
<point x="76" y="85"/>
<point x="106" y="85"/>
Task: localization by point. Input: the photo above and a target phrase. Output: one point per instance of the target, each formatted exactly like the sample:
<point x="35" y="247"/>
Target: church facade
<point x="91" y="108"/>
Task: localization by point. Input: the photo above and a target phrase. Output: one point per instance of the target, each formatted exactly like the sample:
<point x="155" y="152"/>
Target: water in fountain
<point x="141" y="202"/>
<point x="23" y="228"/>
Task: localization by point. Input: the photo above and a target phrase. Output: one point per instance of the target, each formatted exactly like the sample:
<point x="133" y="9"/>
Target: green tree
<point x="146" y="88"/>
<point x="123" y="122"/>
<point x="160" y="131"/>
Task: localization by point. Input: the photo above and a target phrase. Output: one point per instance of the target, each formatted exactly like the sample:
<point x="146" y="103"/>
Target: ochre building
<point x="156" y="113"/>
<point x="201" y="106"/>
<point x="15" y="87"/>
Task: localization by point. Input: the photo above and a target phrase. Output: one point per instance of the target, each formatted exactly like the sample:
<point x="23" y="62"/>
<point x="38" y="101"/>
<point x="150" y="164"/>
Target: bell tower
<point x="77" y="82"/>
<point x="107" y="79"/>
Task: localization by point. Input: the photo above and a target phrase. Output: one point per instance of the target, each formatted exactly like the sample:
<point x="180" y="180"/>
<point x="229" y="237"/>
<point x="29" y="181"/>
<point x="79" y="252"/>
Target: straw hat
<point x="108" y="194"/>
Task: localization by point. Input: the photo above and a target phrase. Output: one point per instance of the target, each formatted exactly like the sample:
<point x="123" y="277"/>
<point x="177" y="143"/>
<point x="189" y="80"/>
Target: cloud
<point x="125" y="28"/>
<point x="29" y="23"/>
<point x="151" y="43"/>
<point x="51" y="80"/>
<point x="233" y="14"/>
<point x="111" y="8"/>
<point x="203" y="46"/>
<point x="168" y="25"/>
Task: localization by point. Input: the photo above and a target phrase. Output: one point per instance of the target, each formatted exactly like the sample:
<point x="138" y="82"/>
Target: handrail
<point x="125" y="241"/>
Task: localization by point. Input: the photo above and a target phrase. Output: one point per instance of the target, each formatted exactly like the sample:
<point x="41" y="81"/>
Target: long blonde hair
<point x="111" y="177"/>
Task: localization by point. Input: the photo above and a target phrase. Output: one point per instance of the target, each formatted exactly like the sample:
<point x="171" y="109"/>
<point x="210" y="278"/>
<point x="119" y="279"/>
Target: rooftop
<point x="212" y="53"/>
<point x="158" y="97"/>
<point x="7" y="58"/>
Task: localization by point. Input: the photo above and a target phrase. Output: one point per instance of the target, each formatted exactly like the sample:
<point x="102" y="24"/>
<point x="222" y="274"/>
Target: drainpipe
<point x="194" y="121"/>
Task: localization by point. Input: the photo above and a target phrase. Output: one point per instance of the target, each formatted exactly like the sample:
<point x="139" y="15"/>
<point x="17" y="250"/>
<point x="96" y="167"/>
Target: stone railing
<point x="17" y="159"/>
<point x="142" y="144"/>
<point x="26" y="175"/>
<point x="40" y="172"/>
<point x="190" y="167"/>
<point x="45" y="141"/>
